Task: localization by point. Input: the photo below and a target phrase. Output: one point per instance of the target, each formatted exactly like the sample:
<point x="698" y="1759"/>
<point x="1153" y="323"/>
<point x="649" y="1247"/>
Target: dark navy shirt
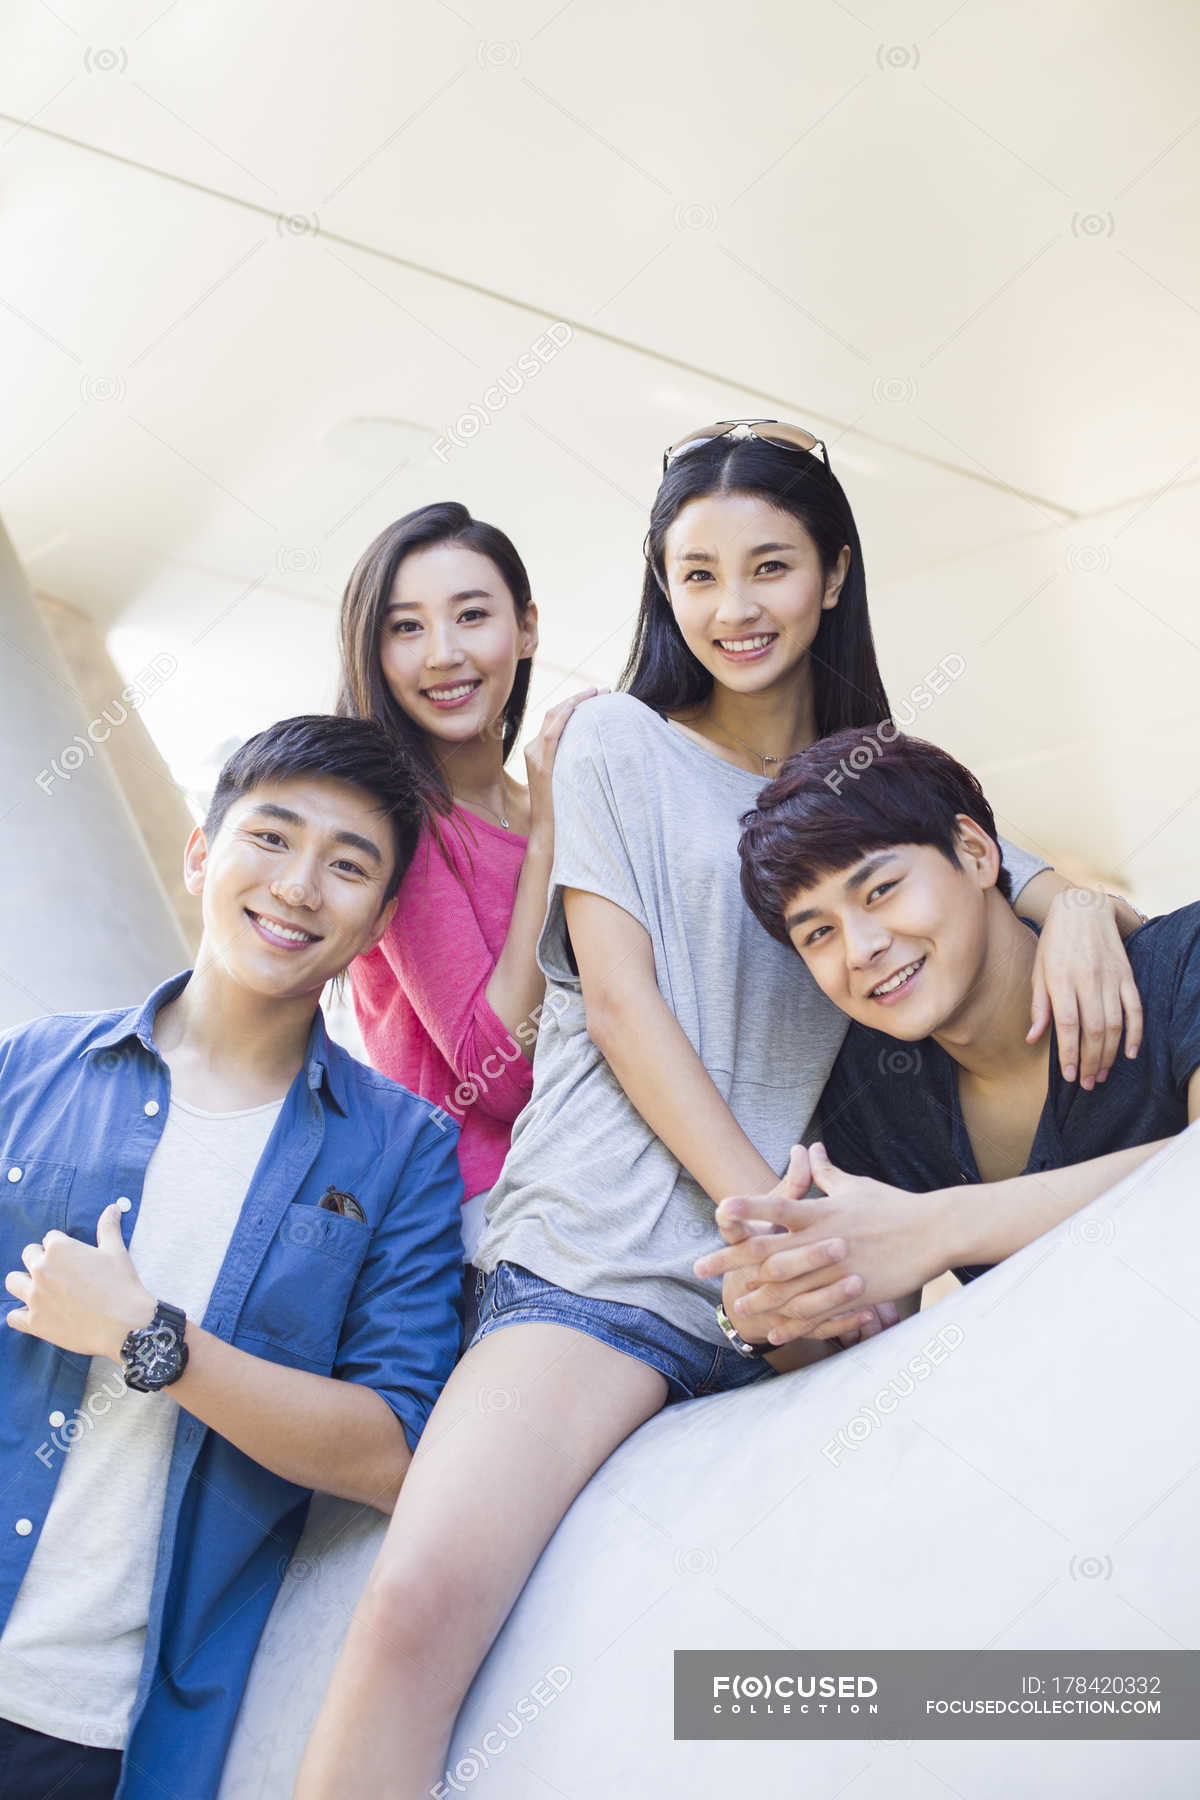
<point x="890" y="1109"/>
<point x="373" y="1299"/>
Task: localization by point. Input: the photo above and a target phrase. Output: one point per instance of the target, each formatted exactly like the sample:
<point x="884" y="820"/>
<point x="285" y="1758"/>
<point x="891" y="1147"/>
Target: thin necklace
<point x="487" y="808"/>
<point x="750" y="747"/>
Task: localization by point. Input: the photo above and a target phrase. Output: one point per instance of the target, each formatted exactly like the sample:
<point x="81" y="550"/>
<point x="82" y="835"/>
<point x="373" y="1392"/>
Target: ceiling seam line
<point x="1068" y="514"/>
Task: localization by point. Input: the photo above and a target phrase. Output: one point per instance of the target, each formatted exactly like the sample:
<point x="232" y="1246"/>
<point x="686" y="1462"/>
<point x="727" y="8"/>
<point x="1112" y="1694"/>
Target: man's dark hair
<point x="847" y="796"/>
<point x="356" y="751"/>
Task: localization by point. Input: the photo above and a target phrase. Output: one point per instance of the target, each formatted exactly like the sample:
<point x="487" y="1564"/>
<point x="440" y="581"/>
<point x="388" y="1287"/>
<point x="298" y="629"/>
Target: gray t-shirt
<point x="589" y="1197"/>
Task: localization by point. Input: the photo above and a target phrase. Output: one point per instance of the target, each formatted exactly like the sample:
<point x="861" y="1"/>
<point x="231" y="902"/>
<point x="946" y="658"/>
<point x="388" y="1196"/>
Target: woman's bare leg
<point x="525" y="1419"/>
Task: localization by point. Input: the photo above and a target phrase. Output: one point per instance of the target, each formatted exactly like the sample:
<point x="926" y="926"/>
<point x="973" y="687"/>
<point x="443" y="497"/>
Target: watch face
<point x="158" y="1353"/>
<point x="154" y="1357"/>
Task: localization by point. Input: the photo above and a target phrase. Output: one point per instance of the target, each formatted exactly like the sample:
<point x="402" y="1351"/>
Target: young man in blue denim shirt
<point x="235" y="1262"/>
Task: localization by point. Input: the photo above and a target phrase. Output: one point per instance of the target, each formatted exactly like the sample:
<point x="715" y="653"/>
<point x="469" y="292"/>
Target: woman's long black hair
<point x="661" y="671"/>
<point x="362" y="691"/>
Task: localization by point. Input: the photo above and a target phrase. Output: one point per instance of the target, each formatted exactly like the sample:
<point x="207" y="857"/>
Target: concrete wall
<point x="84" y="920"/>
<point x="1037" y="1490"/>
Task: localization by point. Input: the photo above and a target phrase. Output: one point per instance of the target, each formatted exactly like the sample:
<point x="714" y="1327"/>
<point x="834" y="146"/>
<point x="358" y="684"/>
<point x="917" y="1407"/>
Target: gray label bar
<point x="898" y="1694"/>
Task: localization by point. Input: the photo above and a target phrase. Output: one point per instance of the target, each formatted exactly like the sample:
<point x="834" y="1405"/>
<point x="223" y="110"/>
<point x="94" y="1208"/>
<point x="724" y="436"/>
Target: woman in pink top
<point x="438" y="628"/>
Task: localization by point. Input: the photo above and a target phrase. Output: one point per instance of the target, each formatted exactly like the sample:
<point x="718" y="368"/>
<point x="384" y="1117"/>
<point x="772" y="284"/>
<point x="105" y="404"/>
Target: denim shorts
<point x="511" y="1295"/>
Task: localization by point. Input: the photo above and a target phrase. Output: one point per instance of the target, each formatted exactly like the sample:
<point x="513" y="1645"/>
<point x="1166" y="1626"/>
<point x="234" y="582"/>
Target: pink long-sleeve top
<point x="419" y="994"/>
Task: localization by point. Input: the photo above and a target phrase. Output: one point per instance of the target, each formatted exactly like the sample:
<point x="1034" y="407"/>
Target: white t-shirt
<point x="72" y="1648"/>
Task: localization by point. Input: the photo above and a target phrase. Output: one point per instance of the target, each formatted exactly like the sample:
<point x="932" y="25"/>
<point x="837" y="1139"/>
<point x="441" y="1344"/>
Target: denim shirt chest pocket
<point x="33" y="1197"/>
<point x="298" y="1299"/>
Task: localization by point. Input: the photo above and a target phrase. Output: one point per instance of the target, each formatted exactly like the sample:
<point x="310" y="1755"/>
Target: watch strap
<point x="175" y="1319"/>
<point x="166" y="1314"/>
<point x="735" y="1337"/>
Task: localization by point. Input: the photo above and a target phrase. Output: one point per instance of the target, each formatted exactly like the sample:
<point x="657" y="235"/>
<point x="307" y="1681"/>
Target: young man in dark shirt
<point x="884" y="872"/>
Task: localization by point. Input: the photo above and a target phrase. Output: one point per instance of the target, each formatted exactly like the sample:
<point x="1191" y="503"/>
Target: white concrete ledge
<point x="1036" y="1489"/>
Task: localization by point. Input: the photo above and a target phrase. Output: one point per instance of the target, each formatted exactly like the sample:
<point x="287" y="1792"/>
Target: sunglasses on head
<point x="785" y="437"/>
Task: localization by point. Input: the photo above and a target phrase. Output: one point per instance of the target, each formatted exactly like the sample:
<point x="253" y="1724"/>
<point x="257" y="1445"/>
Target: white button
<point x="150" y="1108"/>
<point x="24" y="1527"/>
<point x="15" y="1174"/>
<point x="124" y="1202"/>
<point x="57" y="1418"/>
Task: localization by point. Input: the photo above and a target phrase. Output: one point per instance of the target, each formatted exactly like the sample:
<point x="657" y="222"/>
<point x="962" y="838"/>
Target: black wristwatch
<point x="155" y="1355"/>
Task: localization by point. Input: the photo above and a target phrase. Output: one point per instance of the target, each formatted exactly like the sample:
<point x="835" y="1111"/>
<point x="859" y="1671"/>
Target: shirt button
<point x="124" y="1202"/>
<point x="24" y="1527"/>
<point x="58" y="1418"/>
<point x="15" y="1174"/>
<point x="150" y="1108"/>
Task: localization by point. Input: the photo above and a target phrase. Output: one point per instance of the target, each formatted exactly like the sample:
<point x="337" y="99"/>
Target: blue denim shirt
<point x="83" y="1102"/>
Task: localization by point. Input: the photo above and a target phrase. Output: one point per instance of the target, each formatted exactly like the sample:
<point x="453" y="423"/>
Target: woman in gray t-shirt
<point x="590" y="1196"/>
<point x="681" y="1052"/>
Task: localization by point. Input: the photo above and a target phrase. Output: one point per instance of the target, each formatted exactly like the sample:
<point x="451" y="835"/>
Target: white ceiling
<point x="960" y="240"/>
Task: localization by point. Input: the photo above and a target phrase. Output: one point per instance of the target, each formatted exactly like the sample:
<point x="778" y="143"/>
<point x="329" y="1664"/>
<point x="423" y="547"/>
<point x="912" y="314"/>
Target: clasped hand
<point x="829" y="1266"/>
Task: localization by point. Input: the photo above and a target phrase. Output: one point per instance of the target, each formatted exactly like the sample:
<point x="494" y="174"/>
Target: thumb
<point x="108" y="1229"/>
<point x="797" y="1178"/>
<point x="1039" y="1014"/>
<point x="825" y="1171"/>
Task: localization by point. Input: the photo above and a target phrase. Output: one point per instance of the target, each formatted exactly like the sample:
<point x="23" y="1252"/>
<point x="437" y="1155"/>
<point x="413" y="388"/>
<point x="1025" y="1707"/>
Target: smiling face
<point x="899" y="940"/>
<point x="450" y="641"/>
<point x="747" y="588"/>
<point x="293" y="883"/>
